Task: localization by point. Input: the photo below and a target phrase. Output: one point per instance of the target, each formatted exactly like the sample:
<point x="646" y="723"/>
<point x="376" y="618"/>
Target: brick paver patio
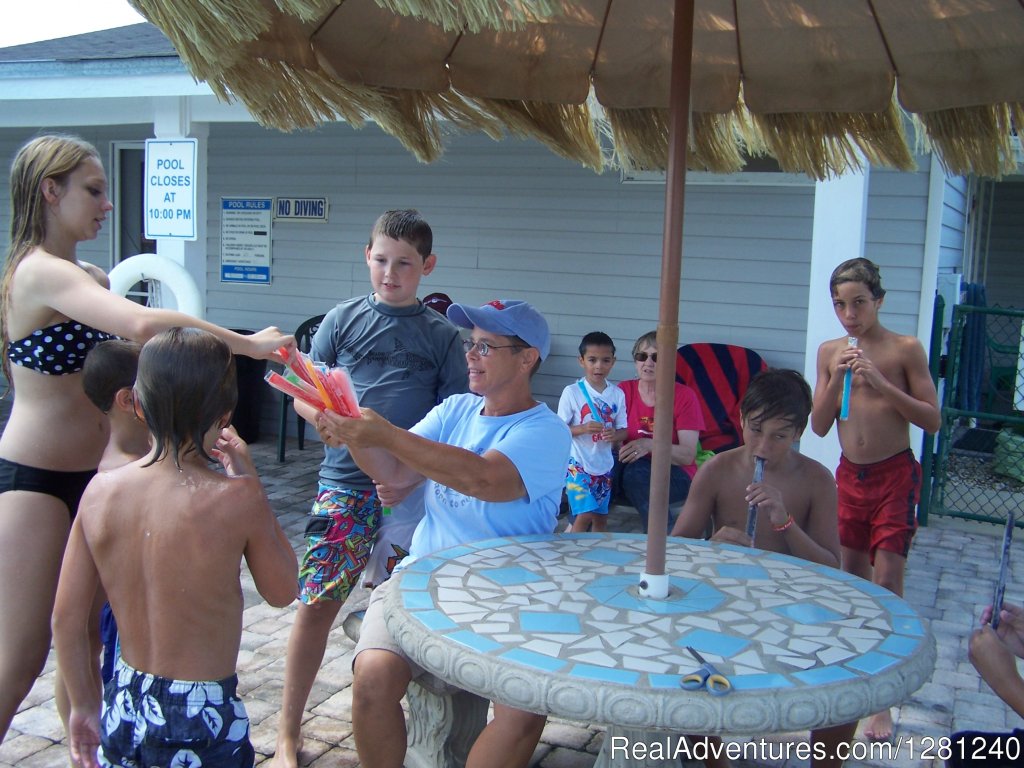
<point x="950" y="573"/>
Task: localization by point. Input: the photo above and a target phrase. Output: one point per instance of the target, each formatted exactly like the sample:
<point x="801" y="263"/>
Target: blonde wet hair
<point x="56" y="157"/>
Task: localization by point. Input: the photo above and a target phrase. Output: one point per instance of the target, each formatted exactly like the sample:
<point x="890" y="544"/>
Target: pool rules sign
<point x="171" y="188"/>
<point x="245" y="239"/>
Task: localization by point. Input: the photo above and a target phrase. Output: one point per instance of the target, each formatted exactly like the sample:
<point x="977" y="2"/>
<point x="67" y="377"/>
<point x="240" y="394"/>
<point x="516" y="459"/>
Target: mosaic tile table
<point x="554" y="624"/>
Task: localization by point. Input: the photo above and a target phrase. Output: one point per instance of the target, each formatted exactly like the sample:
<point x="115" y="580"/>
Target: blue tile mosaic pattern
<point x="569" y="604"/>
<point x="549" y="623"/>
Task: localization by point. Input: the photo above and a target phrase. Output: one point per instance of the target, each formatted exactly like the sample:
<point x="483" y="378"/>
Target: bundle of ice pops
<point x="323" y="388"/>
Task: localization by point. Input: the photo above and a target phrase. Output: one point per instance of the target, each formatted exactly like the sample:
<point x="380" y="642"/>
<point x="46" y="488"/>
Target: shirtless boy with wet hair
<point x="879" y="479"/>
<point x="164" y="536"/>
<point x="796" y="498"/>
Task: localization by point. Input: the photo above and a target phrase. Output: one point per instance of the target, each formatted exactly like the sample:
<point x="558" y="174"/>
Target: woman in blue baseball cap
<point x="494" y="463"/>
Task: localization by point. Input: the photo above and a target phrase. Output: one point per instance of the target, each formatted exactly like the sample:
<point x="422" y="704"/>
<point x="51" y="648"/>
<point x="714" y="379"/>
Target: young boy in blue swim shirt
<point x="172" y="700"/>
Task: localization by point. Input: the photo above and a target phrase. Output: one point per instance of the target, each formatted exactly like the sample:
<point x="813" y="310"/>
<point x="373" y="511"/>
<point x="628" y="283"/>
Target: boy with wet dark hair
<point x="179" y="398"/>
<point x="884" y="378"/>
<point x="785" y="394"/>
<point x="795" y="499"/>
<point x="172" y="700"/>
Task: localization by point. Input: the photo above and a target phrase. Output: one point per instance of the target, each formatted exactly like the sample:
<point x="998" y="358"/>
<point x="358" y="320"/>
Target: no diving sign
<point x="300" y="209"/>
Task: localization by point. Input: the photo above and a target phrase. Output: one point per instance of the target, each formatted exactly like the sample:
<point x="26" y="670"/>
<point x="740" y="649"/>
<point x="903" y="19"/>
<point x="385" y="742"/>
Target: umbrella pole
<point x="654" y="582"/>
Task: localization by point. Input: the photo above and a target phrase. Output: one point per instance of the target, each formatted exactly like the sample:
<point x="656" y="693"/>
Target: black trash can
<point x="251" y="386"/>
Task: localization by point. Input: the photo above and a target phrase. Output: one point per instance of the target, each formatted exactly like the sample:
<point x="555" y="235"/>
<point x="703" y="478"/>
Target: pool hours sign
<point x="171" y="188"/>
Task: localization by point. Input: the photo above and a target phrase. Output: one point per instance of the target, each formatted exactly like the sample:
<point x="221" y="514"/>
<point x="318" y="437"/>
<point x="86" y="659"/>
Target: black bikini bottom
<point x="66" y="486"/>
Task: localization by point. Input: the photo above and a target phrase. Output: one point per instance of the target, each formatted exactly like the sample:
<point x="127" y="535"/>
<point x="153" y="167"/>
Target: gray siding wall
<point x="954" y="225"/>
<point x="511" y="220"/>
<point x="1004" y="283"/>
<point x="897" y="215"/>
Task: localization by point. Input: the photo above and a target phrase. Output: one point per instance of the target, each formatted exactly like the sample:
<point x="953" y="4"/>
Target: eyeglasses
<point x="641" y="357"/>
<point x="483" y="349"/>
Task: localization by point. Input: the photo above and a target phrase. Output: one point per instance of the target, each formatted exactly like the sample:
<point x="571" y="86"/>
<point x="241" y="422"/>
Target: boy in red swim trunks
<point x="878" y="477"/>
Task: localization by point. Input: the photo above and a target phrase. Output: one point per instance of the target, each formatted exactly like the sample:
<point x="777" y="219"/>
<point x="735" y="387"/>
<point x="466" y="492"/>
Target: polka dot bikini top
<point x="56" y="350"/>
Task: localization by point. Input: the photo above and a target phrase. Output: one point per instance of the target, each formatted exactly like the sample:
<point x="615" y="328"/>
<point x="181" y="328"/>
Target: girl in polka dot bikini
<point x="53" y="310"/>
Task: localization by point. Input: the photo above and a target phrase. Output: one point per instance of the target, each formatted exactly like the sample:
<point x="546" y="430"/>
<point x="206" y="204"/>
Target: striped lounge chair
<point x="719" y="374"/>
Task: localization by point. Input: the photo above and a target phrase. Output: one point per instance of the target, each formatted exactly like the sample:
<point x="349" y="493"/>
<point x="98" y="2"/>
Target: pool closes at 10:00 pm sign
<point x="171" y="189"/>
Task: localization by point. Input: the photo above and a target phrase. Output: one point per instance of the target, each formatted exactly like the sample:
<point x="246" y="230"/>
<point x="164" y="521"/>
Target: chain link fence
<point x="979" y="464"/>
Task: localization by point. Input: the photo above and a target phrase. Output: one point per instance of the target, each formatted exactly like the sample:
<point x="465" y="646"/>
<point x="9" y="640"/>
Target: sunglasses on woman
<point x="641" y="357"/>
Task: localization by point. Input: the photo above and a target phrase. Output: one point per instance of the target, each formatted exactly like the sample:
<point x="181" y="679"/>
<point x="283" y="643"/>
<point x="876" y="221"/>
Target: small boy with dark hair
<point x="108" y="377"/>
<point x="403" y="359"/>
<point x="890" y="388"/>
<point x="595" y="410"/>
<point x="172" y="699"/>
<point x="795" y="499"/>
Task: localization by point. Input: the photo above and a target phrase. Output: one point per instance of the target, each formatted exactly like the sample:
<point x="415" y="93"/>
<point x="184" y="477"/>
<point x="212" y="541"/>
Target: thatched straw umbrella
<point x="820" y="85"/>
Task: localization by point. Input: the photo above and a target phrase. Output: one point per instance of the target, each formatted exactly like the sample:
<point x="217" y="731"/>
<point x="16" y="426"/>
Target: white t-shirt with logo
<point x="573" y="408"/>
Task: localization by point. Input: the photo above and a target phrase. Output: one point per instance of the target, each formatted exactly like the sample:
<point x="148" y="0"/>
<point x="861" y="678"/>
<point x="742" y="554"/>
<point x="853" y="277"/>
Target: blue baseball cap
<point x="506" y="317"/>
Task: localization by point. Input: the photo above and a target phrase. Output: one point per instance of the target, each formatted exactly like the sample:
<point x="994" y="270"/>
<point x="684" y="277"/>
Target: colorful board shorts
<point x="149" y="720"/>
<point x="586" y="492"/>
<point x="340" y="531"/>
<point x="878" y="503"/>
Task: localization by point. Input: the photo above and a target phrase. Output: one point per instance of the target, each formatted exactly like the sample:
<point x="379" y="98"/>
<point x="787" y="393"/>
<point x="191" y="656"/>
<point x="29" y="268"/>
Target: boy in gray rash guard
<point x="403" y="359"/>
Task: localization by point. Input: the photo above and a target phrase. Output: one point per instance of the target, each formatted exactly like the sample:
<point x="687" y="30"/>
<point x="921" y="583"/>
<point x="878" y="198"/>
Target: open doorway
<point x="129" y="214"/>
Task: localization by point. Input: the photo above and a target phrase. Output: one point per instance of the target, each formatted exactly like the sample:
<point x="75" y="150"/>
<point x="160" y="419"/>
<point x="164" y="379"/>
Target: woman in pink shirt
<point x="633" y="471"/>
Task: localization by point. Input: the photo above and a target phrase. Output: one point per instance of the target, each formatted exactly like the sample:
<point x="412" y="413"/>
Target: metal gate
<point x="978" y="472"/>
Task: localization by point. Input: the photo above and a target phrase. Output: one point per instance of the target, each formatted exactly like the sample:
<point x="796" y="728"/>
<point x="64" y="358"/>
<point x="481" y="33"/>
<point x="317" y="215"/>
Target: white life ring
<point x="170" y="274"/>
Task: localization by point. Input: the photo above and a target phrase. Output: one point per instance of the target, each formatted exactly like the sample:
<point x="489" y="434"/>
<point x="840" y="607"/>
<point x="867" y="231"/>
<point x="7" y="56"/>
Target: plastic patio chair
<point x="719" y="374"/>
<point x="304" y="340"/>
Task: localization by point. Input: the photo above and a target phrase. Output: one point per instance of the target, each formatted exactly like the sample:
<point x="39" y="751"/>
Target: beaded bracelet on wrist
<point x="785" y="526"/>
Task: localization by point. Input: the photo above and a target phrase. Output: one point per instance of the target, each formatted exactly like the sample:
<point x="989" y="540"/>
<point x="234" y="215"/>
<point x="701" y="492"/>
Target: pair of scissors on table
<point x="707" y="677"/>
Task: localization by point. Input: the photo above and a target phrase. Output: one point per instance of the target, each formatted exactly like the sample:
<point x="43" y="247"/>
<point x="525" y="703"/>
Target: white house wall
<point x="897" y="208"/>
